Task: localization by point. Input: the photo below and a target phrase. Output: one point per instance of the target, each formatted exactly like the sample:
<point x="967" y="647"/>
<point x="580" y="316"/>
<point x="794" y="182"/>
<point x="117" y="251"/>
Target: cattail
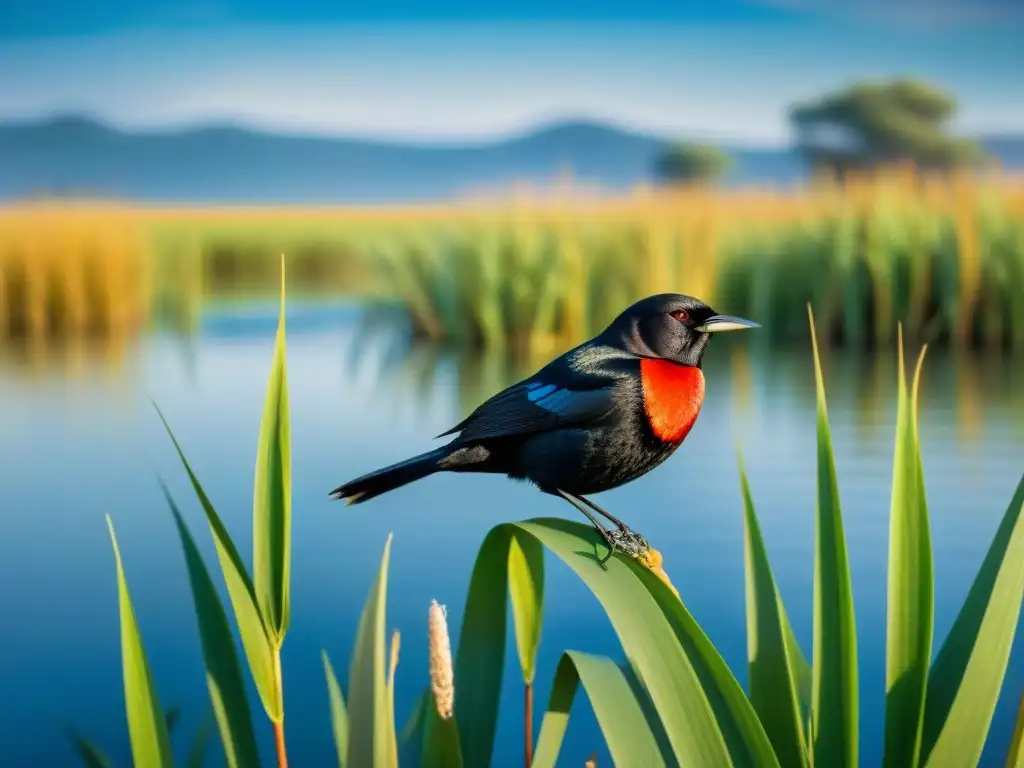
<point x="442" y="676"/>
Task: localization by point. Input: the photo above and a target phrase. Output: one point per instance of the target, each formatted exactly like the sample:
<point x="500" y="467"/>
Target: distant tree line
<point x="686" y="163"/>
<point x="862" y="127"/>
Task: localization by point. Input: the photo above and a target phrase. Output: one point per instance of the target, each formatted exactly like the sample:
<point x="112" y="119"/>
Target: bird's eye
<point x="681" y="315"/>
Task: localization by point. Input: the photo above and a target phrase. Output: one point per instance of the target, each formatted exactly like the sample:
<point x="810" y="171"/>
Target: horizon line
<point x="415" y="140"/>
<point x="412" y="139"/>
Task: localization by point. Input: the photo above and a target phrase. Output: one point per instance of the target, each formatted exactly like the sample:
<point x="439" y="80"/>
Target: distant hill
<point x="79" y="156"/>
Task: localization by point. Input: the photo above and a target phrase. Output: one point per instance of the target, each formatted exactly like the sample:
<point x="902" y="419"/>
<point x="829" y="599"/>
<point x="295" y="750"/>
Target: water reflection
<point x="972" y="386"/>
<point x="975" y="384"/>
<point x="862" y="383"/>
<point x="30" y="361"/>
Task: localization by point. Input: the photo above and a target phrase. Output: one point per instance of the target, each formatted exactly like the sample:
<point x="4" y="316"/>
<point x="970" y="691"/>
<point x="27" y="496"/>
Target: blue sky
<point x="453" y="71"/>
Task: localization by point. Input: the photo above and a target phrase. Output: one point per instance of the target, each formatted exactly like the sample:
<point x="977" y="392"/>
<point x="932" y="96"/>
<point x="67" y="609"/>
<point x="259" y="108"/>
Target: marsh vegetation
<point x="944" y="256"/>
<point x="672" y="701"/>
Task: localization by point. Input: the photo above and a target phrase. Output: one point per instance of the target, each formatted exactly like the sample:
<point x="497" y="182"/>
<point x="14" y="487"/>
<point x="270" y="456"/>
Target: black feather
<point x="387" y="479"/>
<point x="577" y="387"/>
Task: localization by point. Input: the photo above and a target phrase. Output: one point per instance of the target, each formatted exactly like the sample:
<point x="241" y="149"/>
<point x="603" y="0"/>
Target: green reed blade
<point x="369" y="739"/>
<point x="223" y="672"/>
<point x="441" y="748"/>
<point x="775" y="661"/>
<point x="480" y="658"/>
<point x="804" y="677"/>
<point x="647" y="637"/>
<point x="147" y="726"/>
<point x="911" y="587"/>
<point x="410" y="739"/>
<point x="526" y="589"/>
<point x="255" y="639"/>
<point x="967" y="674"/>
<point x="1015" y="756"/>
<point x="272" y="494"/>
<point x="339" y="716"/>
<point x="619" y="716"/>
<point x="391" y="727"/>
<point x="88" y="753"/>
<point x="197" y="752"/>
<point x="744" y="735"/>
<point x="415" y="721"/>
<point x="834" y="707"/>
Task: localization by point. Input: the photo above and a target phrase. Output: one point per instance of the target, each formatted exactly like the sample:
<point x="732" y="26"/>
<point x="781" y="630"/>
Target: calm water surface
<point x="79" y="438"/>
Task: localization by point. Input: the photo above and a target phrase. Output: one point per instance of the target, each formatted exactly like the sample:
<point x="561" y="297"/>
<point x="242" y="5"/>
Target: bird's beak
<point x="717" y="323"/>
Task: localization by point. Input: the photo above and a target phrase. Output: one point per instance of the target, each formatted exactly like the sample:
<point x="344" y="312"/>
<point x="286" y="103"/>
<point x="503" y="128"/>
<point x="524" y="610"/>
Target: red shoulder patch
<point x="673" y="395"/>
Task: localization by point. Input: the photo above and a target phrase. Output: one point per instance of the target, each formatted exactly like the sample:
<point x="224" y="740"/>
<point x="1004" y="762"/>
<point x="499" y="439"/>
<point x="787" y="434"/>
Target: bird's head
<point x="670" y="326"/>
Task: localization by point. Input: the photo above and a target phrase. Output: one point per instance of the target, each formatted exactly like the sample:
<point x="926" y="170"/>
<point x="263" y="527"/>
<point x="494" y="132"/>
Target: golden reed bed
<point x="85" y="268"/>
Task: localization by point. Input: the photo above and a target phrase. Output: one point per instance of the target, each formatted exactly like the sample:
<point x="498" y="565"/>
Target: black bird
<point x="599" y="416"/>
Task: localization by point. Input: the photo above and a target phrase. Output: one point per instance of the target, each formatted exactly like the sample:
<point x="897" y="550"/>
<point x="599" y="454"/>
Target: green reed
<point x="674" y="701"/>
<point x="867" y="269"/>
<point x="867" y="266"/>
<point x="944" y="257"/>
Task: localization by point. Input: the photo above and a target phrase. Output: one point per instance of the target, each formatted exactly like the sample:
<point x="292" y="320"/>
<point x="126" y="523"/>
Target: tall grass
<point x="944" y="257"/>
<point x="673" y="702"/>
<point x="946" y="260"/>
<point x="72" y="271"/>
<point x="80" y="270"/>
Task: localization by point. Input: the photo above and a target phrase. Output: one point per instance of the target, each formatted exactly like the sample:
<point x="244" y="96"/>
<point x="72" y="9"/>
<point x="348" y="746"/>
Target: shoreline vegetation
<point x="673" y="700"/>
<point x="943" y="256"/>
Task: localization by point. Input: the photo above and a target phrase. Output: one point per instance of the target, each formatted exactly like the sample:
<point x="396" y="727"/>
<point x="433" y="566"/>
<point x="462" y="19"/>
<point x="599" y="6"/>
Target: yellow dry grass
<point x="72" y="271"/>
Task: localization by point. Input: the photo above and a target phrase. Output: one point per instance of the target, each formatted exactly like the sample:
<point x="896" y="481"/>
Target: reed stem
<point x="528" y="724"/>
<point x="282" y="754"/>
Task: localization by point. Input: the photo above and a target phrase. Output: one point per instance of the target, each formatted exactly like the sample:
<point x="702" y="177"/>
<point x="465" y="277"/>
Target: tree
<point x="872" y="124"/>
<point x="692" y="163"/>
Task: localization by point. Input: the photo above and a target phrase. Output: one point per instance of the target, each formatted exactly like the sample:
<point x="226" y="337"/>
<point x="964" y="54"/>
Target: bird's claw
<point x="630" y="542"/>
<point x="623" y="540"/>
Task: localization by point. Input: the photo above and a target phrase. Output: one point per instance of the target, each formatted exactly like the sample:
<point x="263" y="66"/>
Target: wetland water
<point x="79" y="438"/>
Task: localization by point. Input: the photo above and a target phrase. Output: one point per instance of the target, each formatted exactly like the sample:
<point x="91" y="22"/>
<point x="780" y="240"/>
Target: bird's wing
<point x="535" y="406"/>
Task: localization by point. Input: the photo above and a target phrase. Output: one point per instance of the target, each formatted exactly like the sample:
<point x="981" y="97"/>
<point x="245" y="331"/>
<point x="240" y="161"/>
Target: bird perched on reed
<point x="592" y="419"/>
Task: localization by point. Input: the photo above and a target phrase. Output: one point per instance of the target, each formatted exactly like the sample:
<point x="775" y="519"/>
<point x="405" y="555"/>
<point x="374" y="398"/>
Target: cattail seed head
<point x="442" y="676"/>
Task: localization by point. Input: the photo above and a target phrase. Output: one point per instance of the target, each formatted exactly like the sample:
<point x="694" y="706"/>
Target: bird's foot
<point x="624" y="540"/>
<point x="630" y="542"/>
<point x="610" y="541"/>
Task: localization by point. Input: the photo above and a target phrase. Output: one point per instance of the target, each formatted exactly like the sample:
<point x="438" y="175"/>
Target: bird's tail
<point x="387" y="479"/>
